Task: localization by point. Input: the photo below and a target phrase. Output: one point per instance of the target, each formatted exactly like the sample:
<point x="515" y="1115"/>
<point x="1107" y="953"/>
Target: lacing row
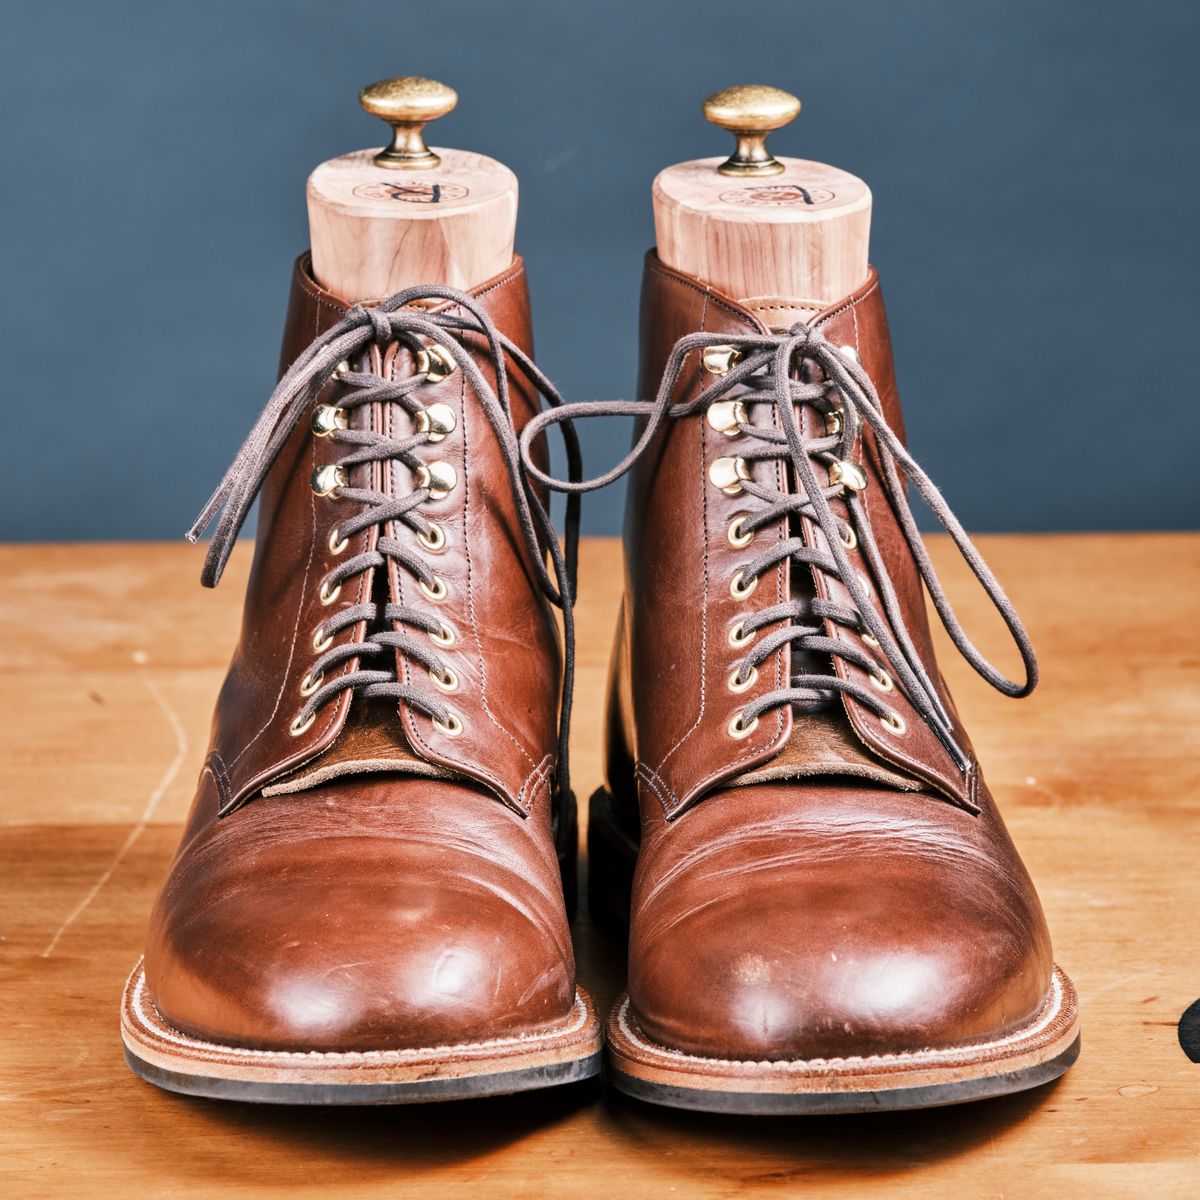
<point x="769" y="369"/>
<point x="435" y="339"/>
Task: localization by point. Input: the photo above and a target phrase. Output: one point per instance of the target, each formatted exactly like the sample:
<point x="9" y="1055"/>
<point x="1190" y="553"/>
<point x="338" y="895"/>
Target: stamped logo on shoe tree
<point x="412" y="191"/>
<point x="779" y="195"/>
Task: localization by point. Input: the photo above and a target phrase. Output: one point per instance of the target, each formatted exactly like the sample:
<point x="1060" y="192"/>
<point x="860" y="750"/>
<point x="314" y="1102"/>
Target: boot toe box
<point x="834" y="939"/>
<point x="408" y="935"/>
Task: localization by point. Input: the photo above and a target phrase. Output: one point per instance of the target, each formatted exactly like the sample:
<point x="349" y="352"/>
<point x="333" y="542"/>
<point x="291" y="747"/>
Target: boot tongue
<point x="371" y="741"/>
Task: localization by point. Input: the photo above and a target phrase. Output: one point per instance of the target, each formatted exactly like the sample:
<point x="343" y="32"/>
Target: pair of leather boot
<point x="371" y="900"/>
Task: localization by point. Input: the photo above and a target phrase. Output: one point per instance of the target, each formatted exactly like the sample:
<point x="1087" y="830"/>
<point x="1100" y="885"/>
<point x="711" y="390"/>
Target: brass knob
<point x="408" y="104"/>
<point x="750" y="112"/>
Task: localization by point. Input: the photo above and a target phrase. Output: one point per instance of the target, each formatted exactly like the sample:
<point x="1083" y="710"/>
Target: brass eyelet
<point x="833" y="422"/>
<point x="893" y="722"/>
<point x="435" y="362"/>
<point x="719" y="360"/>
<point x="850" y="353"/>
<point x="328" y="479"/>
<point x="321" y="640"/>
<point x="727" y="417"/>
<point x="337" y="543"/>
<point x="439" y="590"/>
<point x="310" y="683"/>
<point x="849" y="474"/>
<point x="435" y="541"/>
<point x="452" y="728"/>
<point x="882" y="681"/>
<point x="739" y="589"/>
<point x="739" y="636"/>
<point x="446" y="680"/>
<point x="329" y="595"/>
<point x="299" y="726"/>
<point x="738" y="539"/>
<point x="728" y="474"/>
<point x="444" y="637"/>
<point x="737" y="684"/>
<point x="869" y="638"/>
<point x="342" y="369"/>
<point x="436" y="421"/>
<point x="739" y="730"/>
<point x="327" y="418"/>
<point x="440" y="478"/>
<point x="849" y="538"/>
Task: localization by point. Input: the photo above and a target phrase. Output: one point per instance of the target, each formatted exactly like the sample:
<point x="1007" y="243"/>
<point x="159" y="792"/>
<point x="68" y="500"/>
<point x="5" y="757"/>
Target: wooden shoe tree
<point x="385" y="219"/>
<point x="785" y="237"/>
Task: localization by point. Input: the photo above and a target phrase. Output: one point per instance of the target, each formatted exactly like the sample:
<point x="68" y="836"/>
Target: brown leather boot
<point x="368" y="902"/>
<point x="826" y="913"/>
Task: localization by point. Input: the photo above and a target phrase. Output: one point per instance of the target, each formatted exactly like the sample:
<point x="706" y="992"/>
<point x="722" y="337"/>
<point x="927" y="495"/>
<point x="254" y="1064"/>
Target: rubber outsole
<point x="834" y="1103"/>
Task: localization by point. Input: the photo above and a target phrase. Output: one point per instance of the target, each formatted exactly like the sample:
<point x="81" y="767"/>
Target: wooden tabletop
<point x="112" y="657"/>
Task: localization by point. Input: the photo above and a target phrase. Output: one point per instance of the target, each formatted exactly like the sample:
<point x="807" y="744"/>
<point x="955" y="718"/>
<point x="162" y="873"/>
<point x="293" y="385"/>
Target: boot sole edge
<point x="1027" y="1058"/>
<point x="177" y="1062"/>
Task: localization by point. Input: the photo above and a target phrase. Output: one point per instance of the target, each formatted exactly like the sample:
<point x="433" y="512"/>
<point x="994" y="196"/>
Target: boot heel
<point x="612" y="855"/>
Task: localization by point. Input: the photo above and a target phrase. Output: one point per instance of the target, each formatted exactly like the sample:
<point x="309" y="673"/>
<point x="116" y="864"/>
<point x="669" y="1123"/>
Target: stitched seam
<point x="657" y="785"/>
<point x="754" y="752"/>
<point x="781" y="307"/>
<point x="709" y="296"/>
<point x="223" y="792"/>
<point x="849" y="304"/>
<point x="662" y="762"/>
<point x="544" y="767"/>
<point x="287" y="670"/>
<point x="897" y="757"/>
<point x="341" y="709"/>
<point x="473" y="768"/>
<point x="1044" y="1019"/>
<point x="309" y="287"/>
<point x="483" y="682"/>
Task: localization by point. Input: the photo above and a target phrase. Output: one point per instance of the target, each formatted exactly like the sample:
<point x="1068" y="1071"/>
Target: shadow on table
<point x="690" y="1144"/>
<point x="771" y="1149"/>
<point x="323" y="1143"/>
<point x="417" y="1137"/>
<point x="182" y="1139"/>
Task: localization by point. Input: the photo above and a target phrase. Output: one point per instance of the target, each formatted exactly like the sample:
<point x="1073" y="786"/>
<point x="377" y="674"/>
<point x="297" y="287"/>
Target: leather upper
<point x="507" y="657"/>
<point x="370" y="883"/>
<point x="379" y="911"/>
<point x="822" y="886"/>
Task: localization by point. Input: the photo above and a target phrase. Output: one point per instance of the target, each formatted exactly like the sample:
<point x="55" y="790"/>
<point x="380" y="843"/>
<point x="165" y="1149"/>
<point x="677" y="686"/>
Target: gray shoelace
<point x="296" y="394"/>
<point x="769" y="370"/>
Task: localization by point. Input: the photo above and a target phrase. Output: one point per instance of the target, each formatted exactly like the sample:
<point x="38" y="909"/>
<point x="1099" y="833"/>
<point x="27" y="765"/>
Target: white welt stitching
<point x="1042" y="1021"/>
<point x="152" y="1021"/>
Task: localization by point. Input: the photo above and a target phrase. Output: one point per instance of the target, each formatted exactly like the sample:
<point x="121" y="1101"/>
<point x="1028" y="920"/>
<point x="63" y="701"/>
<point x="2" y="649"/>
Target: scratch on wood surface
<point x="152" y="802"/>
<point x="995" y="1161"/>
<point x="63" y="1085"/>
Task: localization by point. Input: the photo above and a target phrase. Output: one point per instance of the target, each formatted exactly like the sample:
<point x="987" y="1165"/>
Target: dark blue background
<point x="1034" y="167"/>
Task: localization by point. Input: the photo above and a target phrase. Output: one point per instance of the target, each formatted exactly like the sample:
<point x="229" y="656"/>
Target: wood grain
<point x="376" y="230"/>
<point x="785" y="245"/>
<point x="112" y="659"/>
